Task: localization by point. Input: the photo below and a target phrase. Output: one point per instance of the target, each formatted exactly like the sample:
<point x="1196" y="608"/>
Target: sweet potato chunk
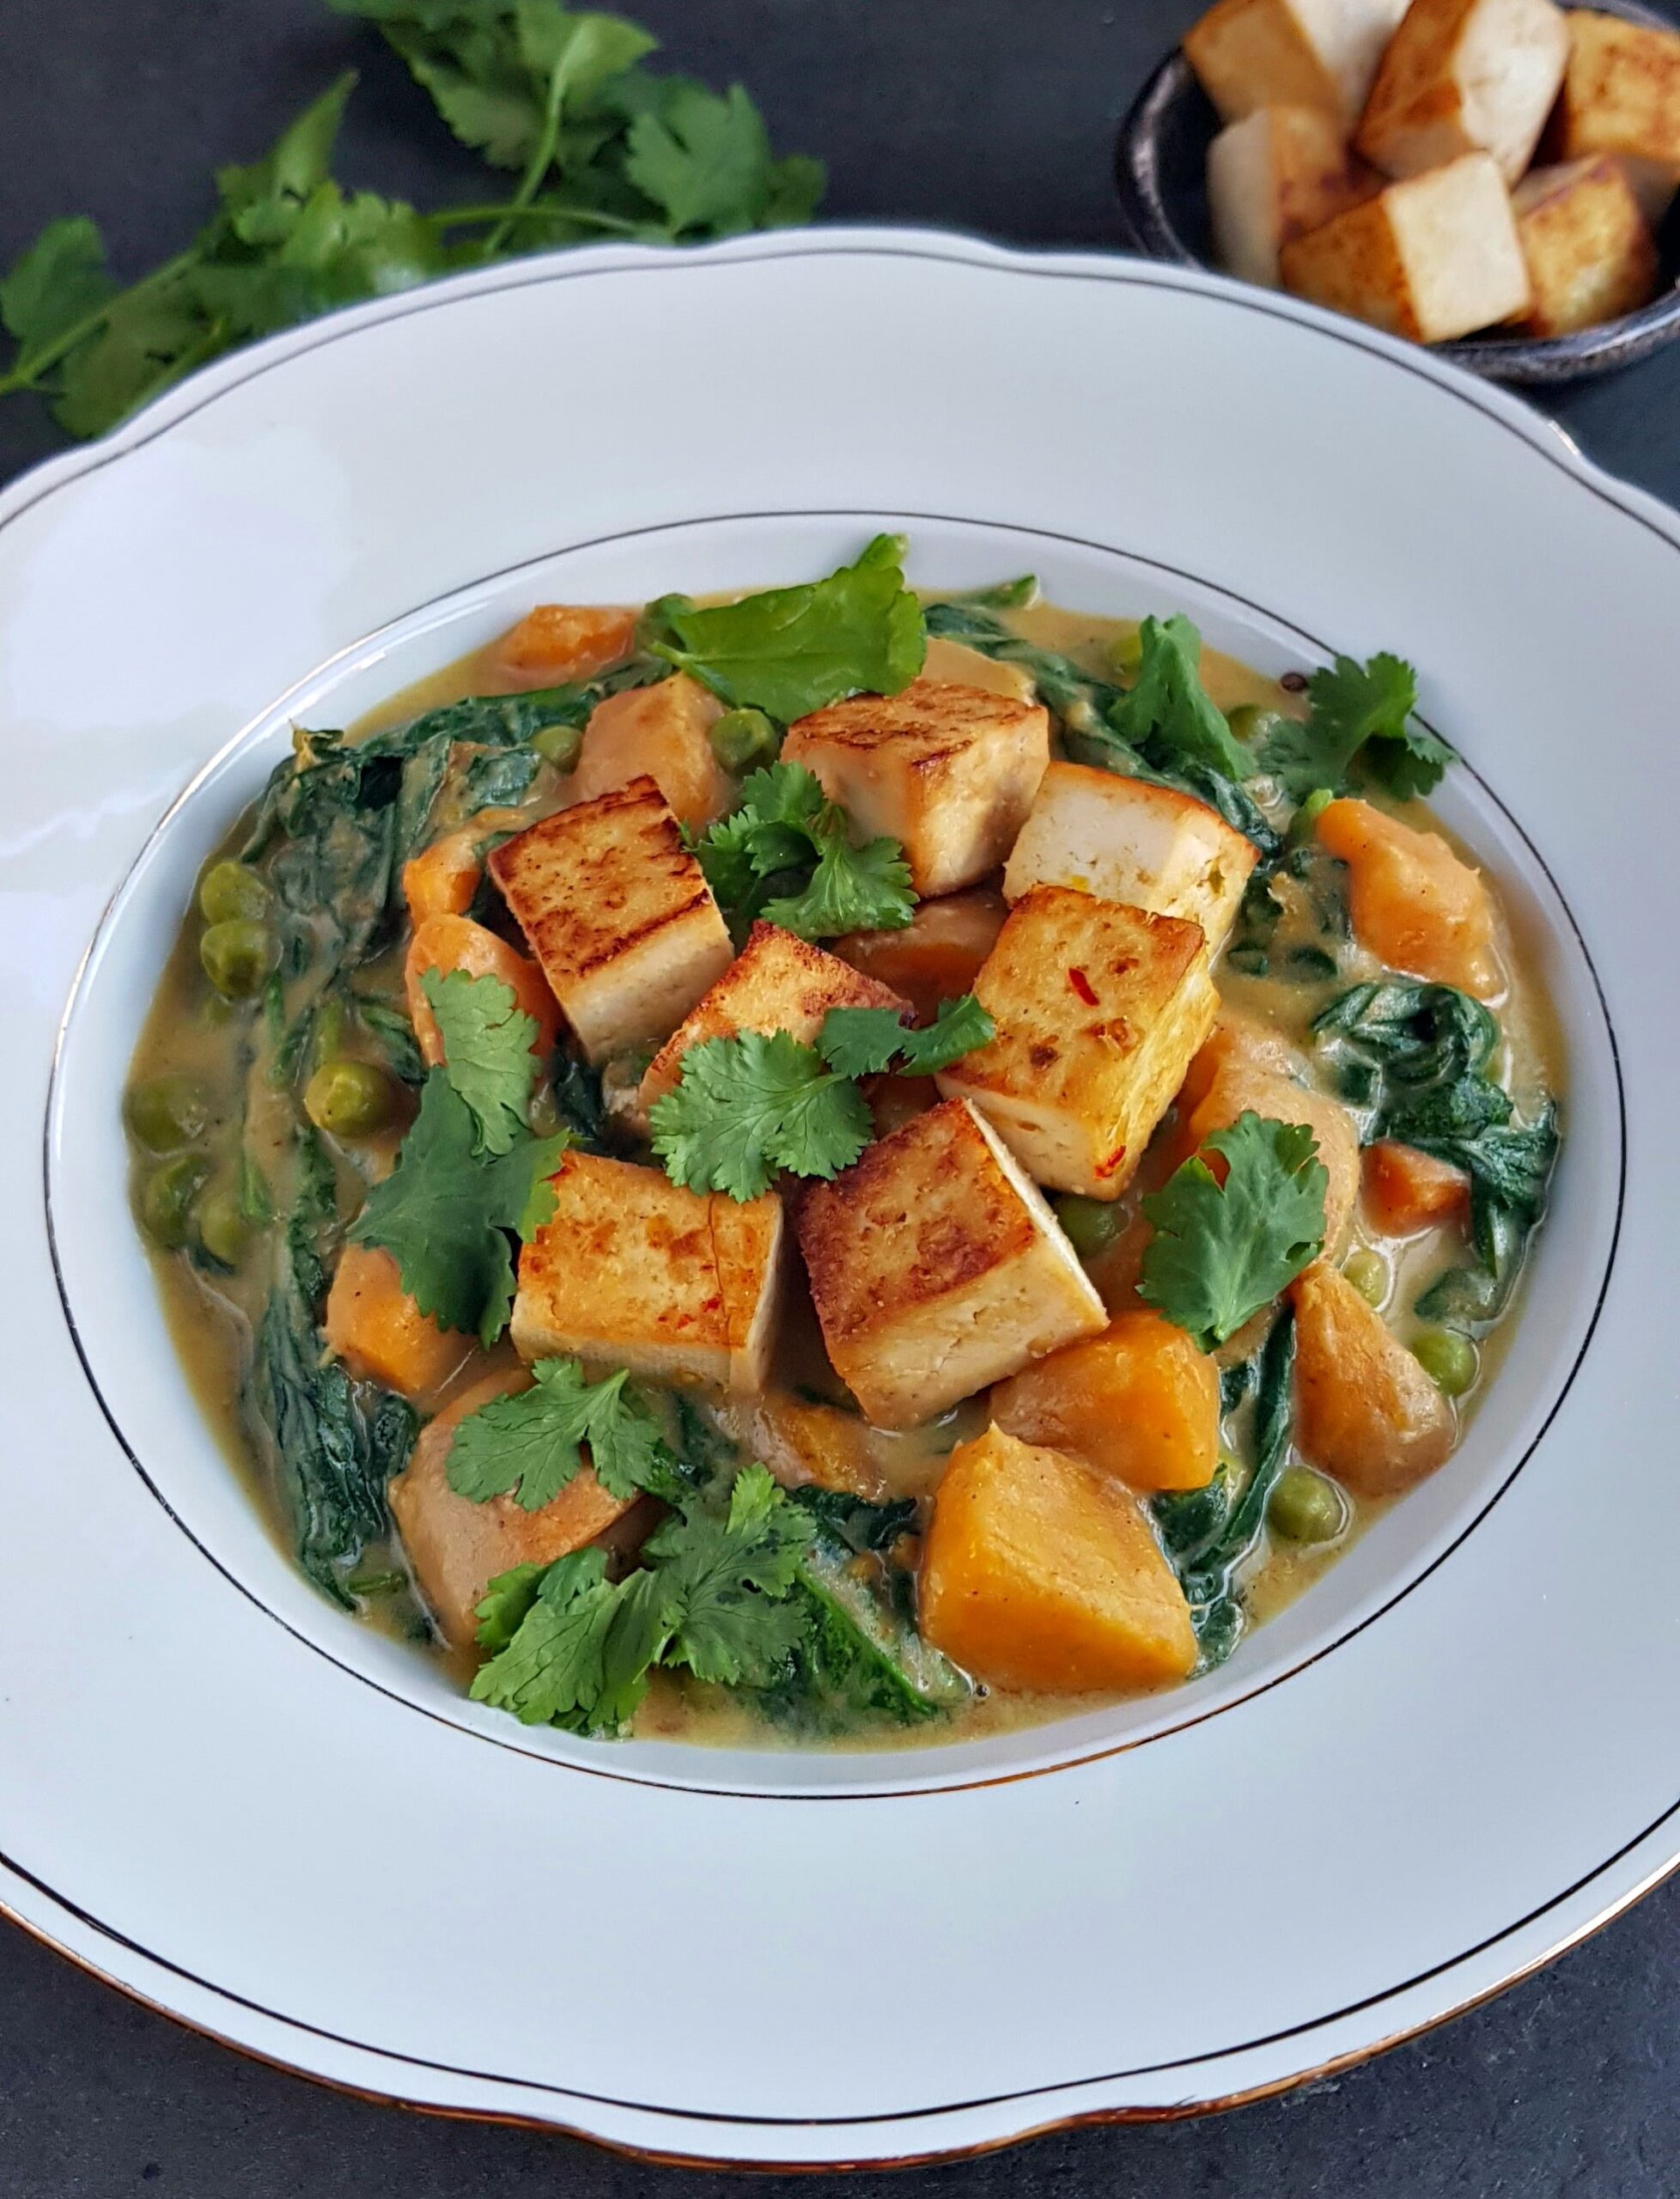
<point x="1364" y="1409"/>
<point x="1242" y="1087"/>
<point x="1039" y="1573"/>
<point x="380" y="1333"/>
<point x="937" y="955"/>
<point x="560" y="641"/>
<point x="1406" y="1190"/>
<point x="446" y="943"/>
<point x="663" y="731"/>
<point x="1236" y="1036"/>
<point x="458" y="1547"/>
<point x="1139" y="1401"/>
<point x="442" y="879"/>
<point x="1414" y="903"/>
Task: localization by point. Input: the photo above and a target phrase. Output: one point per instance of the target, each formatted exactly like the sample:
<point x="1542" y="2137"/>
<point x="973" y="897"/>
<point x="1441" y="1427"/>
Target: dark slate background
<point x="993" y="115"/>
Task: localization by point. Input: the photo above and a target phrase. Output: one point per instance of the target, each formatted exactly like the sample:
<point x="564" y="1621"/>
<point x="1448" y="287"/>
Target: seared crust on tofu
<point x="1462" y="76"/>
<point x="1125" y="840"/>
<point x="632" y="1270"/>
<point x="456" y="1546"/>
<point x="663" y="731"/>
<point x="1099" y="1008"/>
<point x="1321" y="53"/>
<point x="1435" y="257"/>
<point x="1591" y="257"/>
<point x="778" y="982"/>
<point x="619" y="915"/>
<point x="1275" y="174"/>
<point x="936" y="1268"/>
<point x="948" y="771"/>
<point x="1621" y="95"/>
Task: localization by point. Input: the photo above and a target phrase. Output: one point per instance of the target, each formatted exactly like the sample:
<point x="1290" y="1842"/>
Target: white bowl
<point x="1451" y="1756"/>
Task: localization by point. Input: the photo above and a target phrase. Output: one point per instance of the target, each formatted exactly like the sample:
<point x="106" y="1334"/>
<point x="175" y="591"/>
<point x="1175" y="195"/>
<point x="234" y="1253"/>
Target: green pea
<point x="166" y="1112"/>
<point x="1368" y="1274"/>
<point x="1302" y="823"/>
<point x="1251" y="722"/>
<point x="1092" y="1225"/>
<point x="1447" y="1358"/>
<point x="223" y="1228"/>
<point x="558" y="745"/>
<point x="166" y="1199"/>
<point x="1306" y="1507"/>
<point x="349" y="1099"/>
<point x="230" y="892"/>
<point x="1125" y="652"/>
<point x="742" y="740"/>
<point x="238" y="956"/>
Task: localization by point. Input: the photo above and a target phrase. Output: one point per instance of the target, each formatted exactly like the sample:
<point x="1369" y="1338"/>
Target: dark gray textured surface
<point x="995" y="115"/>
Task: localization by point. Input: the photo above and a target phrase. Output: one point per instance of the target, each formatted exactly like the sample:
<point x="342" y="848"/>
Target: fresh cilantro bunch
<point x="603" y="148"/>
<point x="711" y="1595"/>
<point x="746" y="1107"/>
<point x="1361" y="714"/>
<point x="1225" y="1246"/>
<point x="785" y="853"/>
<point x="487" y="1041"/>
<point x="791" y="651"/>
<point x="530" y="1444"/>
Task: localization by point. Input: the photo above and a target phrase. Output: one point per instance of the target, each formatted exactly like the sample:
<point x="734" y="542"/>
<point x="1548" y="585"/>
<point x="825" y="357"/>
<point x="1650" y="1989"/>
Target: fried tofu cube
<point x="1591" y="257"/>
<point x="1039" y="1572"/>
<point x="1274" y="175"/>
<point x="1125" y="840"/>
<point x="632" y="1270"/>
<point x="948" y="771"/>
<point x="777" y="982"/>
<point x="936" y="1268"/>
<point x="937" y="955"/>
<point x="1431" y="257"/>
<point x="619" y="914"/>
<point x="1318" y="53"/>
<point x="1364" y="1409"/>
<point x="457" y="1546"/>
<point x="1621" y="95"/>
<point x="1465" y="77"/>
<point x="664" y="732"/>
<point x="1099" y="1008"/>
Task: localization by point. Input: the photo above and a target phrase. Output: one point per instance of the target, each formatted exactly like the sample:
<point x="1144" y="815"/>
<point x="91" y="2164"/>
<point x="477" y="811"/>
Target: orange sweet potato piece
<point x="1139" y="1401"/>
<point x="1364" y="1409"/>
<point x="937" y="955"/>
<point x="450" y="942"/>
<point x="1417" y="905"/>
<point x="442" y="879"/>
<point x="1406" y="1190"/>
<point x="456" y="1546"/>
<point x="1240" y="1087"/>
<point x="558" y="641"/>
<point x="1039" y="1572"/>
<point x="1236" y="1037"/>
<point x="378" y="1331"/>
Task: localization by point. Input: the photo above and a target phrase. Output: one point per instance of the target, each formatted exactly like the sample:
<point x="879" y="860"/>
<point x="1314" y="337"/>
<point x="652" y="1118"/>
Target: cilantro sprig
<point x="529" y="1445"/>
<point x="785" y="853"/>
<point x="487" y="1041"/>
<point x="1361" y="714"/>
<point x="1222" y="1248"/>
<point x="1166" y="708"/>
<point x="746" y="1107"/>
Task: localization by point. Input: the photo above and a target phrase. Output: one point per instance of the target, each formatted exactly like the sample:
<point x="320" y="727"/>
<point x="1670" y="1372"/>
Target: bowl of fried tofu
<point x="1494" y="178"/>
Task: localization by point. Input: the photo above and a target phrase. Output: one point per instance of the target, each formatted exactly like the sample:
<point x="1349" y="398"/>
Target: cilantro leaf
<point x="56" y="281"/>
<point x="487" y="1041"/>
<point x="555" y="1668"/>
<point x="786" y="834"/>
<point x="1166" y="714"/>
<point x="725" y="1577"/>
<point x="704" y="158"/>
<point x="1220" y="1252"/>
<point x="746" y="1106"/>
<point x="793" y="649"/>
<point x="866" y="1041"/>
<point x="444" y="1212"/>
<point x="850" y="889"/>
<point x="507" y="1600"/>
<point x="1361" y="711"/>
<point x="529" y="1442"/>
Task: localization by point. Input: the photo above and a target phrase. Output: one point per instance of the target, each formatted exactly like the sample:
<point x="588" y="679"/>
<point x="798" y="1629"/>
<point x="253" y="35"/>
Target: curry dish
<point x="838" y="1166"/>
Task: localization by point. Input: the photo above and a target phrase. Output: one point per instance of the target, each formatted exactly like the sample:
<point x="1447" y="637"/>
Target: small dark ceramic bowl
<point x="1160" y="170"/>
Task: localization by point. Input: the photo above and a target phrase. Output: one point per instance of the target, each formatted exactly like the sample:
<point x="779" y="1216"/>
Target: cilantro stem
<point x="27" y="373"/>
<point x="455" y="218"/>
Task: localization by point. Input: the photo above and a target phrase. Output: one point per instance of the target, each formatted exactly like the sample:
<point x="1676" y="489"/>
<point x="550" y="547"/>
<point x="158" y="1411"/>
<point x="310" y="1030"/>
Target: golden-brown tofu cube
<point x="635" y="1271"/>
<point x="1125" y="840"/>
<point x="1274" y="175"/>
<point x="1098" y="1007"/>
<point x="1591" y="257"/>
<point x="619" y="914"/>
<point x="1364" y="1409"/>
<point x="777" y="982"/>
<point x="1621" y="95"/>
<point x="1319" y="53"/>
<point x="458" y="1546"/>
<point x="937" y="955"/>
<point x="1039" y="1572"/>
<point x="948" y="771"/>
<point x="662" y="731"/>
<point x="936" y="1268"/>
<point x="1465" y="77"/>
<point x="1435" y="257"/>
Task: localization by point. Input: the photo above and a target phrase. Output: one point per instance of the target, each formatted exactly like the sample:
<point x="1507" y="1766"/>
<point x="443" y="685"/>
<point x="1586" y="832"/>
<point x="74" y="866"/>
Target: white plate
<point x="1453" y="1756"/>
